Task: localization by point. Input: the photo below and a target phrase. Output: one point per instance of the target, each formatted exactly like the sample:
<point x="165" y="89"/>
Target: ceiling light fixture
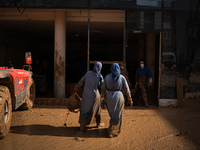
<point x="76" y="35"/>
<point x="137" y="31"/>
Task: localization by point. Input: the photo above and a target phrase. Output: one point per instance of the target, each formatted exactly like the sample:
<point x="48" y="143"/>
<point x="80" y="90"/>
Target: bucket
<point x="74" y="102"/>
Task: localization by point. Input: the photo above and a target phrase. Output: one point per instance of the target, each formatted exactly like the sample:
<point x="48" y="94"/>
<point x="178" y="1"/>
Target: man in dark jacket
<point x="143" y="80"/>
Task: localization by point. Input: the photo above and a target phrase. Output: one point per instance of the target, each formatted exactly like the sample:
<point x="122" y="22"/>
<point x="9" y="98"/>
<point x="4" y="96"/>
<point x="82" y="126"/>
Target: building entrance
<point x="143" y="45"/>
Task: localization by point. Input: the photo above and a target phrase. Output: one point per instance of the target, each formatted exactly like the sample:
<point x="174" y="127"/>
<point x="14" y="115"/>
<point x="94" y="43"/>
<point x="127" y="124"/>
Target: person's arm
<point x="103" y="88"/>
<point x="149" y="73"/>
<point x="150" y="77"/>
<point x="103" y="92"/>
<point x="125" y="87"/>
<point x="127" y="79"/>
<point x="100" y="82"/>
<point x="126" y="90"/>
<point x="80" y="83"/>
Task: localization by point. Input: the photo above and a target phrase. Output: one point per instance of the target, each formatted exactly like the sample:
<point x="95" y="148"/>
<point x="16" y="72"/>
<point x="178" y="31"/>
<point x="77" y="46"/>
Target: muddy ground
<point x="142" y="128"/>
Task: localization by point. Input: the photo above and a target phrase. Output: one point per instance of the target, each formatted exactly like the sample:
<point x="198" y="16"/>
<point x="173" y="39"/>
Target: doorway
<point x="143" y="45"/>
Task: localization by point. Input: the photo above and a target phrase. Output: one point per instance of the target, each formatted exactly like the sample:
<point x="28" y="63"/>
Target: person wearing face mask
<point x="90" y="105"/>
<point x="143" y="80"/>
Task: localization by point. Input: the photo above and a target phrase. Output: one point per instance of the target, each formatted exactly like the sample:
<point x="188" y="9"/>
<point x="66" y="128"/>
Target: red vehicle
<point x="17" y="90"/>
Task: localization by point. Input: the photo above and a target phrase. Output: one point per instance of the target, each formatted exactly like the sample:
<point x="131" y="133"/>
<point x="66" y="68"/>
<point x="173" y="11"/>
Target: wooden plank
<point x="179" y="88"/>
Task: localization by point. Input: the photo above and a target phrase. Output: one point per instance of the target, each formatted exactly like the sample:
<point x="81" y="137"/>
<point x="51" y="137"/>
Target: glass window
<point x="150" y="3"/>
<point x="169" y="3"/>
<point x="147" y="20"/>
<point x="166" y="18"/>
<point x="46" y="3"/>
<point x="166" y="35"/>
<point x="114" y="4"/>
<point x="134" y="20"/>
<point x="25" y="83"/>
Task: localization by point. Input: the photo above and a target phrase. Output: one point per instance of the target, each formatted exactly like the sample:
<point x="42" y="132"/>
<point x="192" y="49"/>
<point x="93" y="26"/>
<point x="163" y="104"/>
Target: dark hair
<point x="141" y="60"/>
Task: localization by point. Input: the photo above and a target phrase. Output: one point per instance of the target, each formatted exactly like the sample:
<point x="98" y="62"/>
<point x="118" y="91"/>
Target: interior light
<point x="76" y="35"/>
<point x="137" y="31"/>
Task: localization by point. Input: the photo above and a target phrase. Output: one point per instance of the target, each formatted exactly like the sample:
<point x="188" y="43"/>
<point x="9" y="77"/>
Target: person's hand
<point x="103" y="101"/>
<point x="130" y="101"/>
<point x="103" y="96"/>
<point x="149" y="83"/>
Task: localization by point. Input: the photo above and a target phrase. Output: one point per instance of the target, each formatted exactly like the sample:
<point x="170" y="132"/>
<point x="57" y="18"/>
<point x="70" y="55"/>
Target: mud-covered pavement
<point x="142" y="128"/>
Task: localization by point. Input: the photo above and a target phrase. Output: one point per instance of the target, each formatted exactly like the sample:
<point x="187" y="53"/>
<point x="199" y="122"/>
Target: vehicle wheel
<point x="5" y="111"/>
<point x="30" y="98"/>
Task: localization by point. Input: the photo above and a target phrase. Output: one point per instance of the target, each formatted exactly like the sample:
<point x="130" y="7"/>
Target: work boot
<point x="145" y="100"/>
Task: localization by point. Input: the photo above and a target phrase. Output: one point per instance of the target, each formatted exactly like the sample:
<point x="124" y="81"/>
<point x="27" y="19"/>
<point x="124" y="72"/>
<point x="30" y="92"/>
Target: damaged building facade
<point x="67" y="37"/>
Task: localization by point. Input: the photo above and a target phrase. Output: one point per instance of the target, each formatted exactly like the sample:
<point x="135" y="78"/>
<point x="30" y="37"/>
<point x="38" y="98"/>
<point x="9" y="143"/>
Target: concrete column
<point x="150" y="52"/>
<point x="141" y="49"/>
<point x="59" y="54"/>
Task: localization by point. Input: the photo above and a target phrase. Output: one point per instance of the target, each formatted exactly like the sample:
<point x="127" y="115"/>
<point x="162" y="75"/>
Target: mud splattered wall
<point x="180" y="52"/>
